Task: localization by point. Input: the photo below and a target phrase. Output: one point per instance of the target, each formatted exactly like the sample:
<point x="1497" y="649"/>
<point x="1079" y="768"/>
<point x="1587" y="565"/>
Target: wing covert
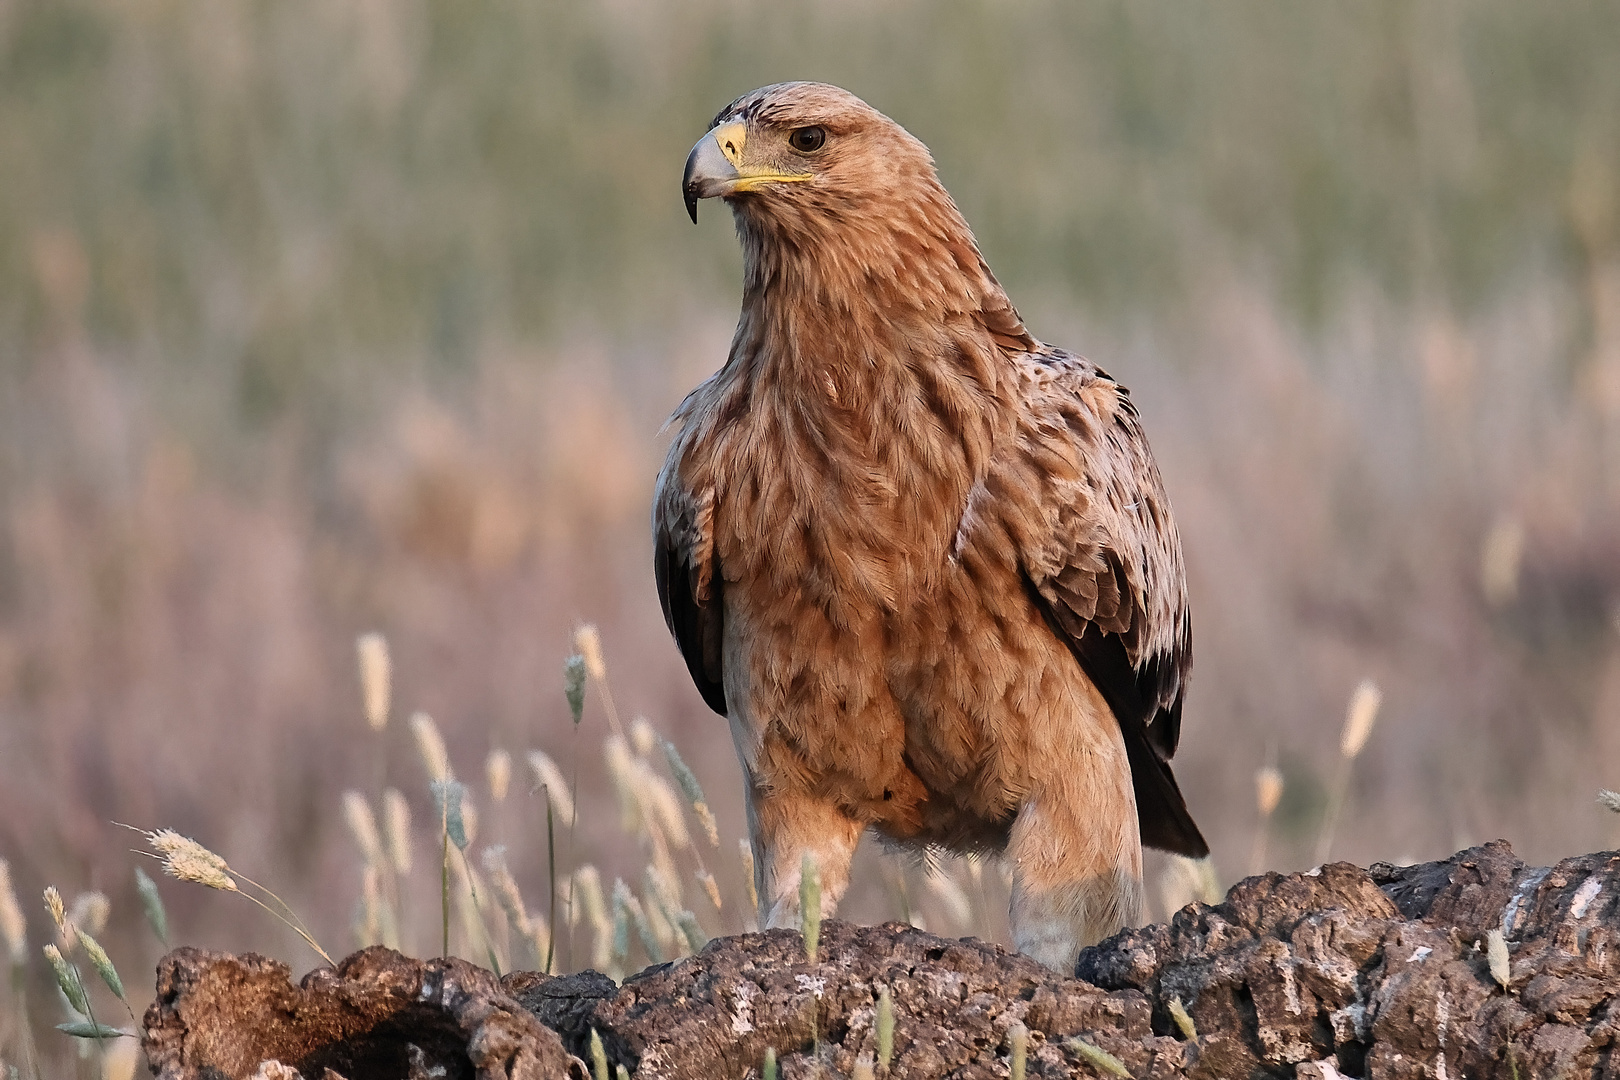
<point x="1105" y="570"/>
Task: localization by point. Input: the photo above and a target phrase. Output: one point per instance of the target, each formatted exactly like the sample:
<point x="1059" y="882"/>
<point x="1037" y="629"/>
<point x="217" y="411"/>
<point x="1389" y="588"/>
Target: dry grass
<point x="369" y="327"/>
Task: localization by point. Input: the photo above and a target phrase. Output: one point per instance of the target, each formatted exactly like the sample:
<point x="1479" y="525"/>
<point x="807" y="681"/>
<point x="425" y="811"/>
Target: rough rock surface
<point x="1378" y="973"/>
<point x="379" y="1014"/>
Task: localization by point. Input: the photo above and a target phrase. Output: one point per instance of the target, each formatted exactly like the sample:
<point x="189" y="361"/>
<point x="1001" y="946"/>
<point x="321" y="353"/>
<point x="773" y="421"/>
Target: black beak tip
<point x="691" y="204"/>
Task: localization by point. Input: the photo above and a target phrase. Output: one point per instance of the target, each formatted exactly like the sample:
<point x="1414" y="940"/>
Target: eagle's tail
<point x="1161" y="812"/>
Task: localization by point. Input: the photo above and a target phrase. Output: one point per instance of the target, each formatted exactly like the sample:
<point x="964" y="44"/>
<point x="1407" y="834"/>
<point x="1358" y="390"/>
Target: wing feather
<point x="1107" y="573"/>
<point x="689" y="583"/>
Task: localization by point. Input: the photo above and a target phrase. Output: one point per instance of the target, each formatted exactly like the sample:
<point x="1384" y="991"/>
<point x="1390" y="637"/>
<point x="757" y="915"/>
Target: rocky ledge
<point x="1383" y="972"/>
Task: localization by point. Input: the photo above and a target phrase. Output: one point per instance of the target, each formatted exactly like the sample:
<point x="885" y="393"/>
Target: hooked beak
<point x="715" y="167"/>
<point x="711" y="167"/>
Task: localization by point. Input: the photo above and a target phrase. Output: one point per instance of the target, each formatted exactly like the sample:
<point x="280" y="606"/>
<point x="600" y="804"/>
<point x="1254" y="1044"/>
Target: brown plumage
<point x="923" y="562"/>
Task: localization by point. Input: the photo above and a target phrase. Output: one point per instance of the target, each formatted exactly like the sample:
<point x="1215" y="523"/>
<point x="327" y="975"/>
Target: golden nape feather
<point x="922" y="562"/>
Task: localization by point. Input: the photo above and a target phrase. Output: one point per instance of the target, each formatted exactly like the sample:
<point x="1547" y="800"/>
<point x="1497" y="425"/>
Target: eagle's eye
<point x="807" y="140"/>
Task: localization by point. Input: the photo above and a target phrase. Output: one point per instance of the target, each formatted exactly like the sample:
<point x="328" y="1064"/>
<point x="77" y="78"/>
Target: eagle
<point x="922" y="562"/>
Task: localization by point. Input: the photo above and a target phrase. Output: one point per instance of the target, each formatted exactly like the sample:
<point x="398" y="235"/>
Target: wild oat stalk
<point x="72" y="986"/>
<point x="104" y="967"/>
<point x="186" y="860"/>
<point x="1358" y="725"/>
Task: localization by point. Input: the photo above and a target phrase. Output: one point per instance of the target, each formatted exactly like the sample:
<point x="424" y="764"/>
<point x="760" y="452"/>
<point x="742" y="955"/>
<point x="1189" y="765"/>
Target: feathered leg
<point x="1075" y="848"/>
<point x="783" y="827"/>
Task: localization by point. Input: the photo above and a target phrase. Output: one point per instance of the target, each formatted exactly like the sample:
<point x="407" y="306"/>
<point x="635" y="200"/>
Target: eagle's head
<point x="796" y="153"/>
<point x="835" y="202"/>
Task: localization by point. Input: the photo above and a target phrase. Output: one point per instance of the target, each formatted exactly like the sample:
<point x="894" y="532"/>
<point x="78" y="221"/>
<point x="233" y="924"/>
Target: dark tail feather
<point x="1160" y="809"/>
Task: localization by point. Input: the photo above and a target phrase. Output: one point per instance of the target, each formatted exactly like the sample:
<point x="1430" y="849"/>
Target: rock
<point x="1337" y="972"/>
<point x="379" y="1014"/>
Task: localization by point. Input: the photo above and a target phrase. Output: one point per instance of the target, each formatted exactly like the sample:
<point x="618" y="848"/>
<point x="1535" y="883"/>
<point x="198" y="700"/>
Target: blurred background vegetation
<point x="325" y="316"/>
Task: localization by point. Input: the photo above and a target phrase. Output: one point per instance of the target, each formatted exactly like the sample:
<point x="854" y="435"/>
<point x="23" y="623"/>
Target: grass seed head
<point x="623" y="775"/>
<point x="376" y="678"/>
<point x="664" y="805"/>
<point x="1268" y="789"/>
<point x="57" y="909"/>
<point x="362" y="823"/>
<point x="866" y="1070"/>
<point x="89" y="912"/>
<point x="588" y="641"/>
<point x="574" y="686"/>
<point x="506" y="891"/>
<point x="498" y="771"/>
<point x="157" y="917"/>
<point x="1359" y="718"/>
<point x="1099" y="1059"/>
<point x="1496" y="955"/>
<point x="67" y="979"/>
<point x="397" y="829"/>
<point x="588" y="888"/>
<point x="1183" y="1021"/>
<point x="430" y="745"/>
<point x="692" y="930"/>
<point x="711" y="888"/>
<point x="13" y="927"/>
<point x="549" y="777"/>
<point x="1610" y="799"/>
<point x="1017" y="1050"/>
<point x="102" y="963"/>
<point x="767" y="1070"/>
<point x="449" y="808"/>
<point x="598" y="1057"/>
<point x="688" y="783"/>
<point x="643" y="737"/>
<point x="186" y="860"/>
